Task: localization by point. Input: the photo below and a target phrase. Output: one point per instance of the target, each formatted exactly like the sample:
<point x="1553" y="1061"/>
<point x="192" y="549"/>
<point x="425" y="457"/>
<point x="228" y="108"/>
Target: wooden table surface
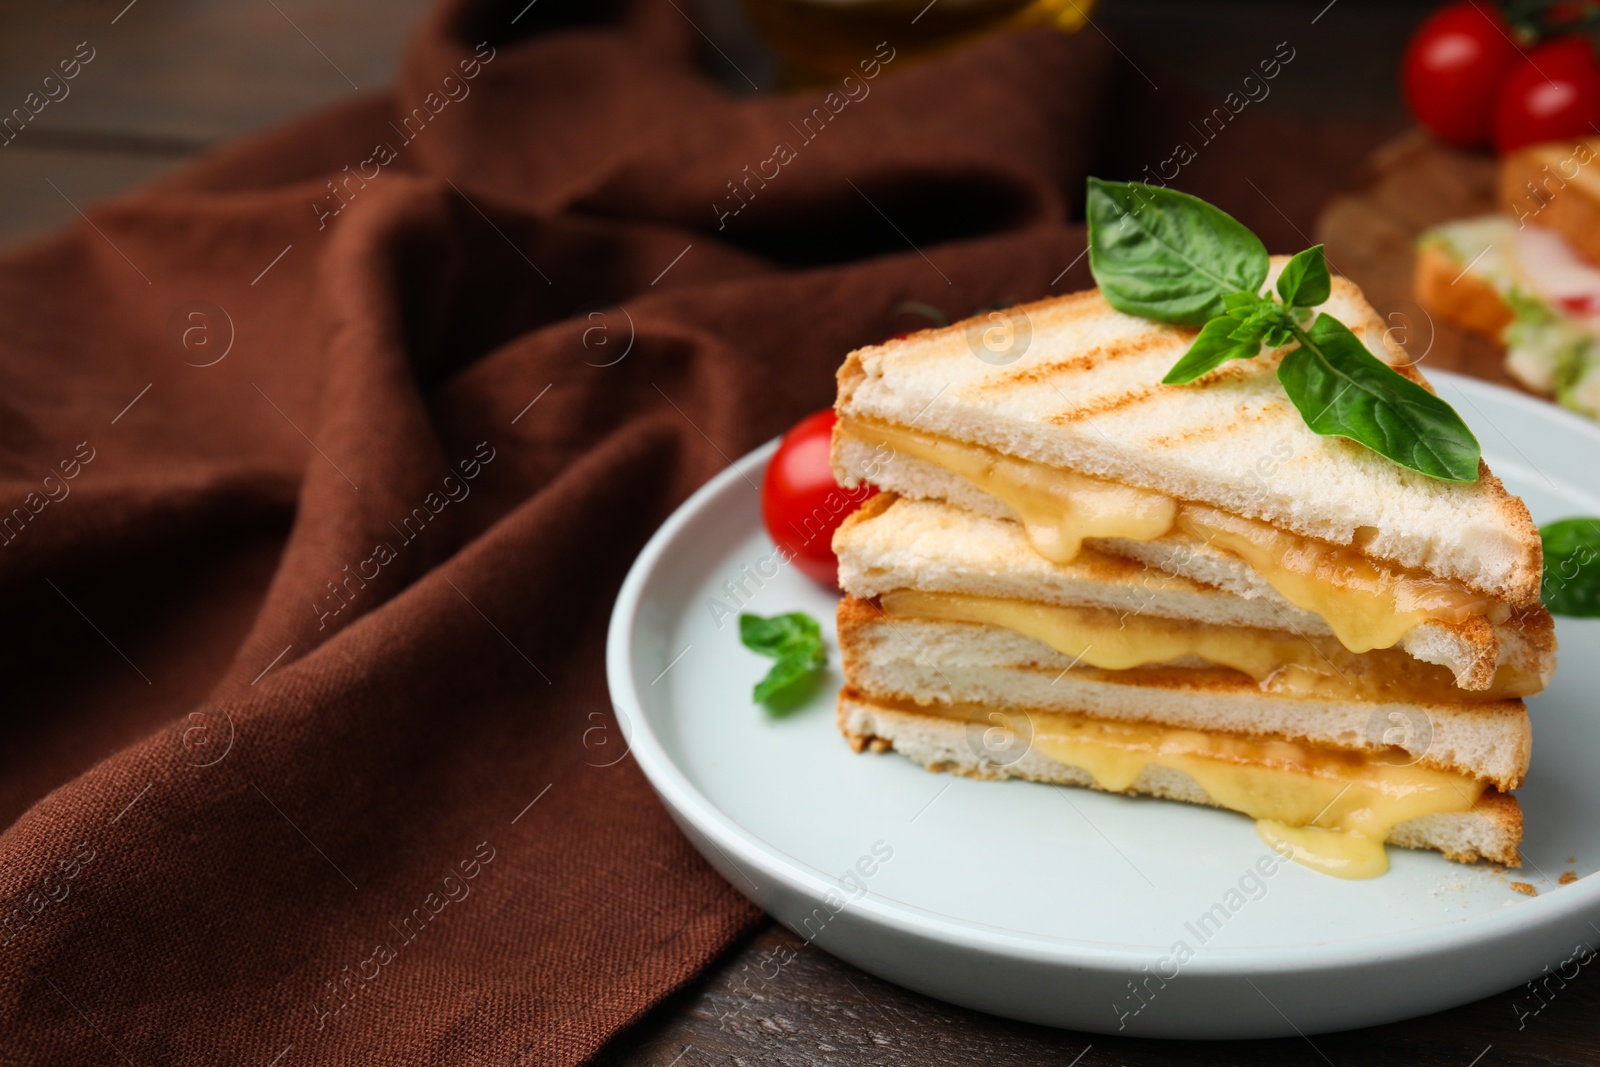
<point x="171" y="78"/>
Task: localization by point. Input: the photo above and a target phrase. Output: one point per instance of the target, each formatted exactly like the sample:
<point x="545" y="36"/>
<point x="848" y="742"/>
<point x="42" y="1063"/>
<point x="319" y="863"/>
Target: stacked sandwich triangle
<point x="1078" y="575"/>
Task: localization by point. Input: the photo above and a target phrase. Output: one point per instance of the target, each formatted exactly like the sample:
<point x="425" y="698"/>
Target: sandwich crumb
<point x="1572" y="859"/>
<point x="1525" y="888"/>
<point x="1568" y="877"/>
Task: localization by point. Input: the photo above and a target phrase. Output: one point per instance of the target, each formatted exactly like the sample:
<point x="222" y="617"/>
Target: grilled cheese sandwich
<point x="1102" y="572"/>
<point x="1109" y="470"/>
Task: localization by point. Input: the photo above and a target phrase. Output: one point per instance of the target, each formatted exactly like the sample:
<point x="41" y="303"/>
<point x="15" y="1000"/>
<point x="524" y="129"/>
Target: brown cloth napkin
<point x="321" y="462"/>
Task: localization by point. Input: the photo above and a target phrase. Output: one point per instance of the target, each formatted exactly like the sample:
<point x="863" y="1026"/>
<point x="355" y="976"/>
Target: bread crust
<point x="1446" y="290"/>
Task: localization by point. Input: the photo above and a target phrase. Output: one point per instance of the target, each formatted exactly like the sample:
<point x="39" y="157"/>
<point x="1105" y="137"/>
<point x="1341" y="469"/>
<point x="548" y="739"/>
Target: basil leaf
<point x="1343" y="390"/>
<point x="1572" y="567"/>
<point x="1304" y="282"/>
<point x="1268" y="321"/>
<point x="1278" y="335"/>
<point x="795" y="641"/>
<point x="1166" y="255"/>
<point x="1216" y="345"/>
<point x="1240" y="305"/>
<point x="779" y="635"/>
<point x="784" y="678"/>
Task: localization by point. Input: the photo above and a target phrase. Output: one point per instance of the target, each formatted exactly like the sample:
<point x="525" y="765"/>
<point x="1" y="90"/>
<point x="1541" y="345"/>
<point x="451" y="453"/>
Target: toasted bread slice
<point x="895" y="543"/>
<point x="1449" y="291"/>
<point x="941" y="662"/>
<point x="1086" y="396"/>
<point x="1490" y="830"/>
<point x="1556" y="185"/>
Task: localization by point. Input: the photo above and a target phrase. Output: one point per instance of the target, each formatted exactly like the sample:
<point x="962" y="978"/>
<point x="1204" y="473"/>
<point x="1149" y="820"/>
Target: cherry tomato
<point x="801" y="504"/>
<point x="1453" y="69"/>
<point x="1553" y="93"/>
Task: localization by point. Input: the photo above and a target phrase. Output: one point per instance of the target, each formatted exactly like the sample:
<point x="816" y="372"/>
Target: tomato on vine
<point x="1453" y="69"/>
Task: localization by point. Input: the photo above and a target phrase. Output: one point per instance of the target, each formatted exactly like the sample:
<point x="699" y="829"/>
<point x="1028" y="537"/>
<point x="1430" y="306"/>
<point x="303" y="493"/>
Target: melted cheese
<point x="1058" y="508"/>
<point x="1104" y="638"/>
<point x="1281" y="662"/>
<point x="1367" y="604"/>
<point x="1328" y="809"/>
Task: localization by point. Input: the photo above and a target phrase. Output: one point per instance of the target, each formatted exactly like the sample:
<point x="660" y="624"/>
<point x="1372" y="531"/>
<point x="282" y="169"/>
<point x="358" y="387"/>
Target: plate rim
<point x="685" y="800"/>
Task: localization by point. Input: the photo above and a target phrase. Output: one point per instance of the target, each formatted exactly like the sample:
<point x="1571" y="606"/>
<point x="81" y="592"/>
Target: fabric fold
<point x="309" y="753"/>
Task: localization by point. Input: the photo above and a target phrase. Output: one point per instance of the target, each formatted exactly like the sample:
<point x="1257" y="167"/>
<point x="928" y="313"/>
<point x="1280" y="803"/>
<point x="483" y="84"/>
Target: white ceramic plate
<point x="1042" y="903"/>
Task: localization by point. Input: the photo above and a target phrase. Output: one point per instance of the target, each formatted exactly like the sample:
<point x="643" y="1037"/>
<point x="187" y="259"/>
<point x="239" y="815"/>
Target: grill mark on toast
<point x="1102" y="405"/>
<point x="1099" y="355"/>
<point x="1199" y="433"/>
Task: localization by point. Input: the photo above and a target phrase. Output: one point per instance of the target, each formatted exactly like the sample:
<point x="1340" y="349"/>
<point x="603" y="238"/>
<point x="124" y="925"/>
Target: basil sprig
<point x="795" y="641"/>
<point x="1572" y="567"/>
<point x="1168" y="256"/>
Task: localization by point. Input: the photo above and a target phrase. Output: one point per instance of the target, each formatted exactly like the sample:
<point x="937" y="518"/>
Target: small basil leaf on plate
<point x="1216" y="345"/>
<point x="1572" y="567"/>
<point x="1166" y="255"/>
<point x="785" y="676"/>
<point x="780" y="634"/>
<point x="795" y="641"/>
<point x="1343" y="390"/>
<point x="1304" y="282"/>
